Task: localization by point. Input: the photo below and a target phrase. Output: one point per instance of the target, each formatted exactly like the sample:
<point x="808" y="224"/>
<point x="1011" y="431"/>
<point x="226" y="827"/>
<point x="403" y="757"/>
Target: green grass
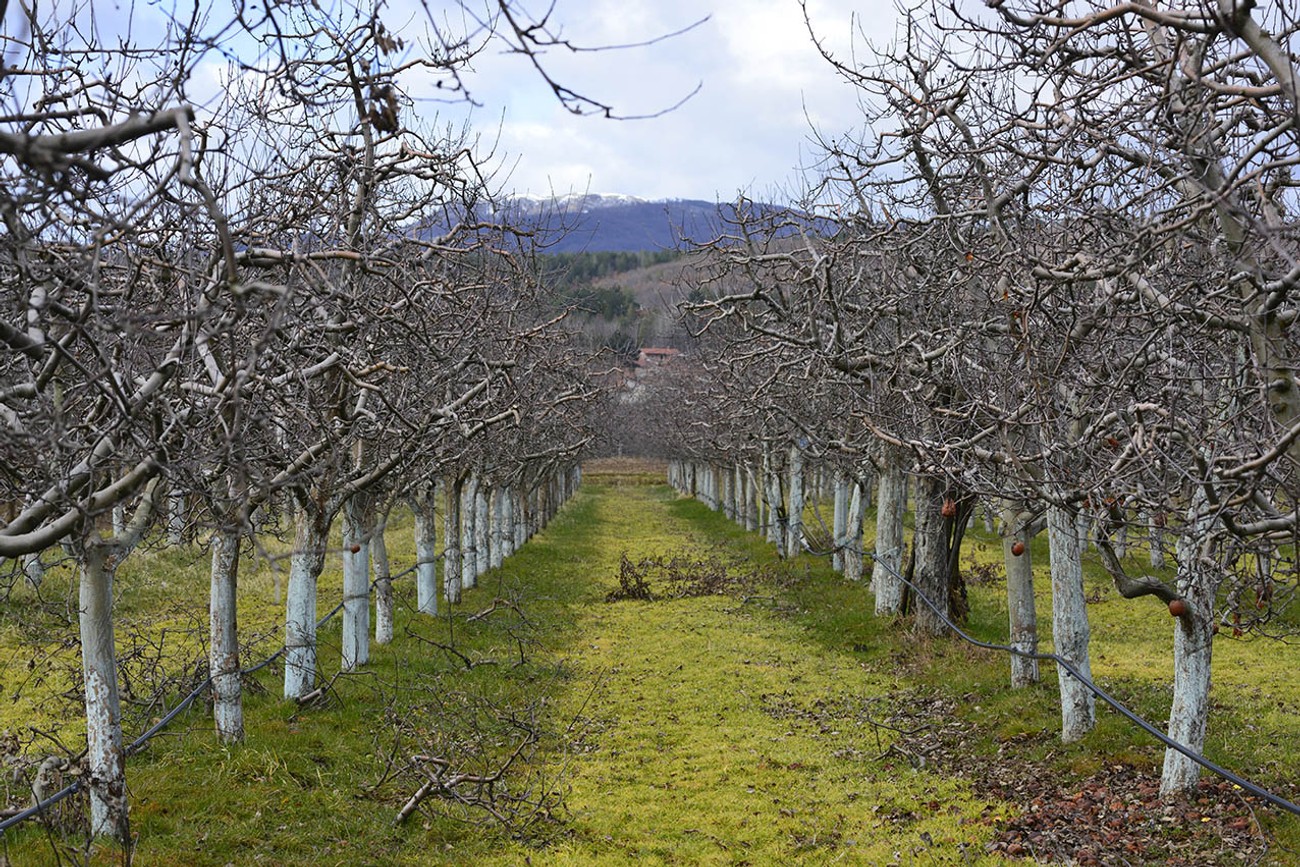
<point x="689" y="731"/>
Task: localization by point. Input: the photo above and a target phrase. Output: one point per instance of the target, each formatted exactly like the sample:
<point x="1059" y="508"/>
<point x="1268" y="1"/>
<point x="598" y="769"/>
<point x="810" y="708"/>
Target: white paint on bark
<point x="468" y="536"/>
<point x="891" y="507"/>
<point x="383" y="582"/>
<point x="1189" y="713"/>
<point x="482" y="531"/>
<point x="1070" y="631"/>
<point x="356" y="586"/>
<point x="840" y="518"/>
<point x="451" y="536"/>
<point x="223" y="637"/>
<point x="497" y="542"/>
<point x="426" y="553"/>
<point x="105" y="758"/>
<point x="1021" y="612"/>
<point x="175" y="517"/>
<point x="853" y="535"/>
<point x="794" y="512"/>
<point x="305" y="565"/>
<point x="931" y="573"/>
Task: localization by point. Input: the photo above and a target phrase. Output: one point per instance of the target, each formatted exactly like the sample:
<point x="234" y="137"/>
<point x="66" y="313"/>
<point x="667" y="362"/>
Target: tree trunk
<point x="931" y="542"/>
<point x="496" y="544"/>
<point x="507" y="522"/>
<point x="176" y="517"/>
<point x="1070" y="632"/>
<point x="891" y="489"/>
<point x="1021" y="612"/>
<point x="521" y="521"/>
<point x="356" y="585"/>
<point x="104" y="757"/>
<point x="482" y="531"/>
<point x="775" y="508"/>
<point x="753" y="499"/>
<point x="840" y="519"/>
<point x="223" y="632"/>
<point x="469" y="533"/>
<point x="383" y="581"/>
<point x="34" y="569"/>
<point x="451" y="536"/>
<point x="311" y="529"/>
<point x="794" y="513"/>
<point x="426" y="562"/>
<point x="853" y="539"/>
<point x="1193" y="651"/>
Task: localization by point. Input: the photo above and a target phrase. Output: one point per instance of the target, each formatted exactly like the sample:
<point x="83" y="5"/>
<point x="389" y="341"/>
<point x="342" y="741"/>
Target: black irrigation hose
<point x="1276" y="800"/>
<point x="1264" y="794"/>
<point x="138" y="744"/>
<point x="135" y="746"/>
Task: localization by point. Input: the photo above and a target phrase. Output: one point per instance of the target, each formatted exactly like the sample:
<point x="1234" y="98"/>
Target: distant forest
<point x="605" y="312"/>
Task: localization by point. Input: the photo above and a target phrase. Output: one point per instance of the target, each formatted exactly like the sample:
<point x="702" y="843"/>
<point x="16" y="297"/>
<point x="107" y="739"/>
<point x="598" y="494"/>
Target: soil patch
<point x="1114" y="816"/>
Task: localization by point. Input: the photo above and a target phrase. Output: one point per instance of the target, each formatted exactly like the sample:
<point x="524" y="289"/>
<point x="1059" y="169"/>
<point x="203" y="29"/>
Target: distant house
<point x="653" y="358"/>
<point x="649" y="362"/>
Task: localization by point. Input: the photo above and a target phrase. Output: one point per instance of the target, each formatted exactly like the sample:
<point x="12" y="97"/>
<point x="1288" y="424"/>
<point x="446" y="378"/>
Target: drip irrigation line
<point x="138" y="744"/>
<point x="1276" y="800"/>
<point x="1253" y="788"/>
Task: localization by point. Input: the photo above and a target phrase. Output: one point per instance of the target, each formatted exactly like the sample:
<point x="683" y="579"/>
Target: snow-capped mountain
<point x="581" y="202"/>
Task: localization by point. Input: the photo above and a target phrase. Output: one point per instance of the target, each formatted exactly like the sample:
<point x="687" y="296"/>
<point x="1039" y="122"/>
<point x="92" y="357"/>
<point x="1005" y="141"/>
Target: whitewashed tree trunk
<point x="1155" y="538"/>
<point x="1085" y="529"/>
<point x="891" y="507"/>
<point x="104" y="755"/>
<point x="521" y="521"/>
<point x="119" y="518"/>
<point x="931" y="541"/>
<point x="753" y="499"/>
<point x="356" y="585"/>
<point x="482" y="531"/>
<point x="507" y="522"/>
<point x="738" y="494"/>
<point x="383" y="581"/>
<point x="311" y="530"/>
<point x="1193" y="652"/>
<point x="34" y="569"/>
<point x="1022" y="614"/>
<point x="451" y="536"/>
<point x="223" y="637"/>
<point x="426" y="551"/>
<point x="773" y="530"/>
<point x="794" y="515"/>
<point x="175" y="517"/>
<point x="468" y="534"/>
<point x="840" y="518"/>
<point x="497" y="541"/>
<point x="1070" y="631"/>
<point x="853" y="535"/>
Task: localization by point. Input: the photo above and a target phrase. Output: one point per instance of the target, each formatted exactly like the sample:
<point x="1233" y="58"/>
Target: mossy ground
<point x="719" y="729"/>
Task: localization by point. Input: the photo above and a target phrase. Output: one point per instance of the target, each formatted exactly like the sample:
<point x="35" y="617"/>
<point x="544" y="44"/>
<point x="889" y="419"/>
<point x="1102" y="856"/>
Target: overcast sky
<point x="763" y="87"/>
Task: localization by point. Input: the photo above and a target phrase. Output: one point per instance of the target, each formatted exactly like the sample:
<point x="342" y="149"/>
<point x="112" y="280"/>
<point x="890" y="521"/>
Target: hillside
<point x="595" y="223"/>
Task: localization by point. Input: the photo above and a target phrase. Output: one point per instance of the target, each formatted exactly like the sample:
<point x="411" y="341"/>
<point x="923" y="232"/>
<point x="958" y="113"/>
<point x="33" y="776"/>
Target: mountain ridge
<point x="614" y="222"/>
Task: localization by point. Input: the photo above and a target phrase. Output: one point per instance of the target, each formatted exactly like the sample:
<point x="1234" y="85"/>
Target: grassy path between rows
<point x="705" y="740"/>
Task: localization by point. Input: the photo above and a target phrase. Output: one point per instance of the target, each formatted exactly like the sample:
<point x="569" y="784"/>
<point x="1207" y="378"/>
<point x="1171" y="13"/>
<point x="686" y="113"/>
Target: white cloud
<point x="763" y="82"/>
